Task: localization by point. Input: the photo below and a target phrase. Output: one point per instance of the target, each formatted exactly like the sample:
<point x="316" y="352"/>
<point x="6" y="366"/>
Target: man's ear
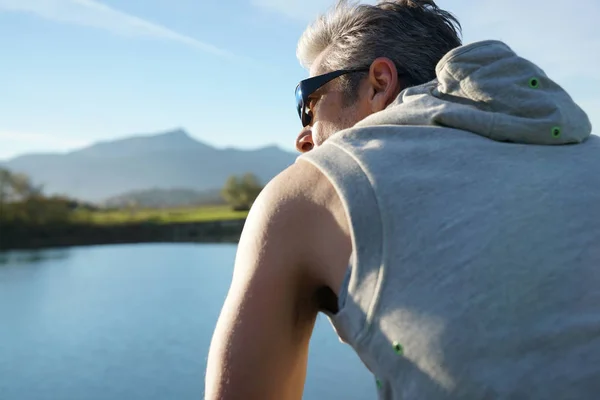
<point x="383" y="82"/>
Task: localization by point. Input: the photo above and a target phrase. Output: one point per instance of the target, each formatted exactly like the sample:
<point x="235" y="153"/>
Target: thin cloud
<point x="93" y="14"/>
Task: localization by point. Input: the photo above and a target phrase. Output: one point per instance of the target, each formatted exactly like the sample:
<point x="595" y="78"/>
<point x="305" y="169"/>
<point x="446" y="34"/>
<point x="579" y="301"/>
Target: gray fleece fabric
<point x="474" y="203"/>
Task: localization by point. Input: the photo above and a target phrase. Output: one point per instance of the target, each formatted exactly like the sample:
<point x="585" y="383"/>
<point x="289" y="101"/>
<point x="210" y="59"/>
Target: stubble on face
<point x="344" y="119"/>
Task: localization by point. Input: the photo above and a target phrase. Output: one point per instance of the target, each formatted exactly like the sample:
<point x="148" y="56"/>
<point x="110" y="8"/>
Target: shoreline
<point x="32" y="237"/>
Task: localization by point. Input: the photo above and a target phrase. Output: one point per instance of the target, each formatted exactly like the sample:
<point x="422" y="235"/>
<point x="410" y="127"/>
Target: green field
<point x="161" y="216"/>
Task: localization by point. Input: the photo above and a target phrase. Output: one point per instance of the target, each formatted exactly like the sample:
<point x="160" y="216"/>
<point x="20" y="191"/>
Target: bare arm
<point x="260" y="345"/>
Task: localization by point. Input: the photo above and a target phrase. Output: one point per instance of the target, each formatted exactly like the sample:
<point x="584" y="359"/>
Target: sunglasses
<point x="308" y="86"/>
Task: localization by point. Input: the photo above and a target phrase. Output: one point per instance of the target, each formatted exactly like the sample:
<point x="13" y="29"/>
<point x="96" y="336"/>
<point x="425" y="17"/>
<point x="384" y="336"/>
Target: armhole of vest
<point x="360" y="291"/>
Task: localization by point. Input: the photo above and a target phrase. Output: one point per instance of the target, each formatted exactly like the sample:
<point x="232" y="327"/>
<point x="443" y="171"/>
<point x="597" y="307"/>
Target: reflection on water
<point x="32" y="256"/>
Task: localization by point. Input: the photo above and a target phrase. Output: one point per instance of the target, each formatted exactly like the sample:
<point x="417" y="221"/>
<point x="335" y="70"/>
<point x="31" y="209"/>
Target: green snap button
<point x="534" y="83"/>
<point x="398" y="348"/>
<point x="556" y="131"/>
<point x="378" y="382"/>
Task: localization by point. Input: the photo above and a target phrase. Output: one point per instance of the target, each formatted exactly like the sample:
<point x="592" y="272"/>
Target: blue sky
<point x="77" y="71"/>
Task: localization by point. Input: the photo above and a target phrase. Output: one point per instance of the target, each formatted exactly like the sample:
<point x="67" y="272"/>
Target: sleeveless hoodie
<point x="474" y="206"/>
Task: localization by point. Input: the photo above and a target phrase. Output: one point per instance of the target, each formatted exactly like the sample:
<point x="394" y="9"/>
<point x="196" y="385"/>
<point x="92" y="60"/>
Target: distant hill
<point x="169" y="160"/>
<point x="158" y="198"/>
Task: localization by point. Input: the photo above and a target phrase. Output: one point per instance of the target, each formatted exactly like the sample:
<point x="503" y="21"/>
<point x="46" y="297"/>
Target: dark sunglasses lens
<point x="304" y="116"/>
<point x="299" y="100"/>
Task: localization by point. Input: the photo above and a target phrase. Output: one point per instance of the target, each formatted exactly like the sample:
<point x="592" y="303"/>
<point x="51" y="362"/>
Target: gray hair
<point x="414" y="34"/>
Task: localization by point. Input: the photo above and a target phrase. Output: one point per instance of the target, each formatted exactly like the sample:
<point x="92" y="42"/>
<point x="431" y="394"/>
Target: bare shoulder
<point x="300" y="182"/>
<point x="301" y="208"/>
<point x="293" y="245"/>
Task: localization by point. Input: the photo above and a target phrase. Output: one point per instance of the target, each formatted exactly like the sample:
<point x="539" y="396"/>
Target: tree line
<point x="23" y="202"/>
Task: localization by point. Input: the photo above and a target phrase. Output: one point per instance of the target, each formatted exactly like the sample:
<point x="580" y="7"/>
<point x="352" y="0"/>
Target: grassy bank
<point x="83" y="227"/>
<point x="160" y="216"/>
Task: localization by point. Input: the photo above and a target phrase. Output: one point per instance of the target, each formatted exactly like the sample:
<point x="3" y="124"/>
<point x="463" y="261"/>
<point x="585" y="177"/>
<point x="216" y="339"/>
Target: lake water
<point x="132" y="322"/>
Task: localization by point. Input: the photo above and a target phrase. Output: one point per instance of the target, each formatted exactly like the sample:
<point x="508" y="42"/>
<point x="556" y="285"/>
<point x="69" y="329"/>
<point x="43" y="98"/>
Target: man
<point x="444" y="216"/>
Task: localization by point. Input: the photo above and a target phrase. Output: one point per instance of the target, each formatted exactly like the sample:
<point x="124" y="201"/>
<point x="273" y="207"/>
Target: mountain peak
<point x="177" y="133"/>
<point x="176" y="139"/>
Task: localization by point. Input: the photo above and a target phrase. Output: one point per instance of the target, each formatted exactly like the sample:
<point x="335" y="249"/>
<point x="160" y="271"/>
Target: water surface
<point x="132" y="322"/>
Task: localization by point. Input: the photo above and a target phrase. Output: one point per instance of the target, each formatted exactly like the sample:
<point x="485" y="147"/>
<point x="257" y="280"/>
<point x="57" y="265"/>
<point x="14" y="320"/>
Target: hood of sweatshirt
<point x="487" y="89"/>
